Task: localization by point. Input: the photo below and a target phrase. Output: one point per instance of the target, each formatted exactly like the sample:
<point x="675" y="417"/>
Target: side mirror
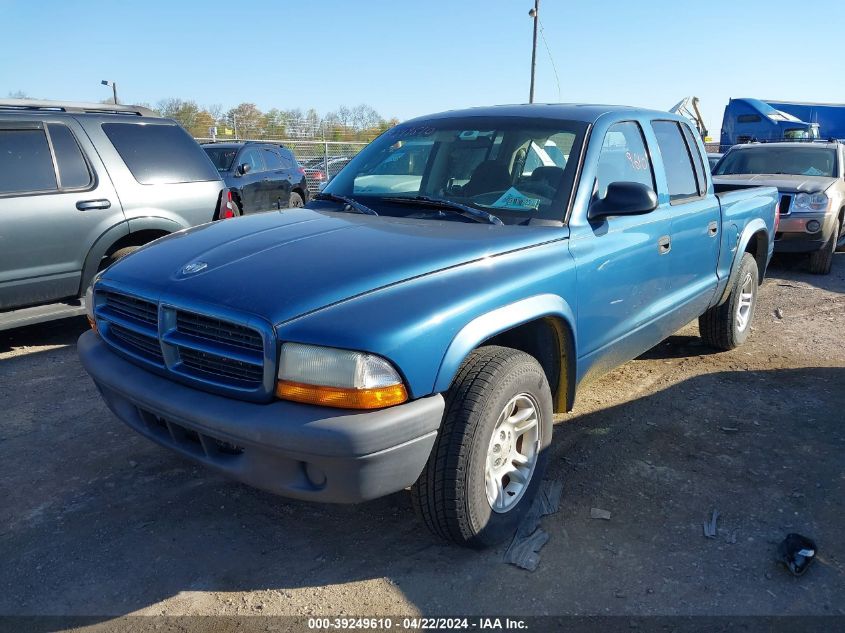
<point x="243" y="168"/>
<point x="624" y="198"/>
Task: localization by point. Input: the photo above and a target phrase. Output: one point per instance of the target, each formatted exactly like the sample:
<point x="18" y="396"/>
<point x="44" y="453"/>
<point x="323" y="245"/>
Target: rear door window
<point x="160" y="154"/>
<point x="274" y="163"/>
<point x="697" y="161"/>
<point x="623" y="158"/>
<point x="677" y="161"/>
<point x="73" y="170"/>
<point x="288" y="160"/>
<point x="26" y="164"/>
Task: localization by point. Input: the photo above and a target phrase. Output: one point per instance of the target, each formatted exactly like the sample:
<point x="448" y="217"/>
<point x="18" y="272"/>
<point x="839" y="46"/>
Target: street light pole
<point x="534" y="13"/>
<point x="113" y="85"/>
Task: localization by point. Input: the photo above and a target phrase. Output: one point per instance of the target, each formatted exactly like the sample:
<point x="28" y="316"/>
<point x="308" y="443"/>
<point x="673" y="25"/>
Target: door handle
<point x="713" y="228"/>
<point x="87" y="205"/>
<point x="664" y="245"/>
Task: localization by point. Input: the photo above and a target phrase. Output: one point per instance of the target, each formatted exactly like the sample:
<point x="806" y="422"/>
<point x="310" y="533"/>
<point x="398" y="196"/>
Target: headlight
<point x="814" y="202"/>
<point x="337" y="378"/>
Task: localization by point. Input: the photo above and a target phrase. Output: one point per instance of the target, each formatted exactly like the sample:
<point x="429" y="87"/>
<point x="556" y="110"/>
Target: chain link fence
<point x="321" y="160"/>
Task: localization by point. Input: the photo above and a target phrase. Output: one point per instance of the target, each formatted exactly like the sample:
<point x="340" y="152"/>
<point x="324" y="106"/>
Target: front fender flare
<point x="505" y="318"/>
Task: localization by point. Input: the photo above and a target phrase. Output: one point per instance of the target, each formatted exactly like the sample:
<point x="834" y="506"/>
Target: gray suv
<point x="82" y="185"/>
<point x="810" y="178"/>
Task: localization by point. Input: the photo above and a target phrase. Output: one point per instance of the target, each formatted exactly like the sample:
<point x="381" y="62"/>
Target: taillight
<point x="226" y="207"/>
<point x="300" y="171"/>
<point x="318" y="175"/>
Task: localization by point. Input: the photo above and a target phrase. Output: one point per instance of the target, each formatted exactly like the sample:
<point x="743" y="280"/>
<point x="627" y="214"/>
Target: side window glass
<point x="623" y="158"/>
<point x="252" y="157"/>
<point x="26" y="164"/>
<point x="73" y="170"/>
<point x="676" y="160"/>
<point x="274" y="163"/>
<point x="287" y="159"/>
<point x="698" y="160"/>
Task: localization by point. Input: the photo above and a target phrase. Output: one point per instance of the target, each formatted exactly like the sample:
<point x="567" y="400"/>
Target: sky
<point x="409" y="58"/>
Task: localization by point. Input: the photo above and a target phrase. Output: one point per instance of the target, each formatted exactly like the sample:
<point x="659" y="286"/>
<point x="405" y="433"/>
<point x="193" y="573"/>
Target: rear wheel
<point x="295" y="201"/>
<point x="490" y="456"/>
<point x="726" y="326"/>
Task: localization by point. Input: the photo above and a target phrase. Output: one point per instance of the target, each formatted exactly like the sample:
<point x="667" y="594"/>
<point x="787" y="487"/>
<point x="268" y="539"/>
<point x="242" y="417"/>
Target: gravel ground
<point x="97" y="520"/>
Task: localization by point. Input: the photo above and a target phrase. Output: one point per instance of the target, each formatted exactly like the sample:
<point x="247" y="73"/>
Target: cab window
<point x="623" y="158"/>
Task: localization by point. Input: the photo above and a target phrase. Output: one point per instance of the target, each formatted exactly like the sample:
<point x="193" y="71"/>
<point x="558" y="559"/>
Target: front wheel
<point x="821" y="260"/>
<point x="491" y="453"/>
<point x="726" y="326"/>
<point x="295" y="201"/>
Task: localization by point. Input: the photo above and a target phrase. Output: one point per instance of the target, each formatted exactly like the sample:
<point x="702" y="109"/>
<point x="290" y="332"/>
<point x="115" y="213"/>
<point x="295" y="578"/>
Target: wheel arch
<point x="136" y="232"/>
<point x="758" y="245"/>
<point x="755" y="240"/>
<point x="541" y="326"/>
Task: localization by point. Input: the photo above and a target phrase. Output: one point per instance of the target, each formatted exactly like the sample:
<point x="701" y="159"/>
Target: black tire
<point x="820" y="261"/>
<point x="451" y="494"/>
<point x="840" y="242"/>
<point x="118" y="254"/>
<point x="295" y="201"/>
<point x="719" y="326"/>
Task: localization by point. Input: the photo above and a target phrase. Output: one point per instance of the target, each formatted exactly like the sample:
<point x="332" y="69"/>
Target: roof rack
<point x="35" y="105"/>
<point x="792" y="140"/>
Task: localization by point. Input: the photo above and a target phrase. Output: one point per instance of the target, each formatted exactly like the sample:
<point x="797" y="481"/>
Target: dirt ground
<point x="97" y="520"/>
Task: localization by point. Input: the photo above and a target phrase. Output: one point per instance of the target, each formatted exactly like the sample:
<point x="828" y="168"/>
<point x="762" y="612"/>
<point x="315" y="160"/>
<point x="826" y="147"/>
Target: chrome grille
<point x="219" y="331"/>
<point x="137" y="343"/>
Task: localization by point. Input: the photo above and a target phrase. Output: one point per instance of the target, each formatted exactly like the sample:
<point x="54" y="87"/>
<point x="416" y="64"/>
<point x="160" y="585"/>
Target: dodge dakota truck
<point x="420" y="321"/>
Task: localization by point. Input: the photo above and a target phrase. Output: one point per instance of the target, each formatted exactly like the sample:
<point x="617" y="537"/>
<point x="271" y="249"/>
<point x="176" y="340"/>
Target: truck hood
<point x="783" y="182"/>
<point x="280" y="265"/>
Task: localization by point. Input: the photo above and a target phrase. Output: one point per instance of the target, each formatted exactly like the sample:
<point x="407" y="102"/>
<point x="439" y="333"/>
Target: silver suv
<point x="810" y="178"/>
<point x="82" y="185"/>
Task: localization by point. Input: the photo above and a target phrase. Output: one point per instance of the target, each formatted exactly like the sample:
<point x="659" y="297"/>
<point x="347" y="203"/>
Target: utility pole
<point x="113" y="85"/>
<point x="534" y="13"/>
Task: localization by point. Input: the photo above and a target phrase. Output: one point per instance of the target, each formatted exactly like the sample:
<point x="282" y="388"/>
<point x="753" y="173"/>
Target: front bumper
<point x="793" y="237"/>
<point x="295" y="450"/>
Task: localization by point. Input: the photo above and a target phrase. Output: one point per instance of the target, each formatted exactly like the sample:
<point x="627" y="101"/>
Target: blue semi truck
<point x="830" y="117"/>
<point x="747" y="120"/>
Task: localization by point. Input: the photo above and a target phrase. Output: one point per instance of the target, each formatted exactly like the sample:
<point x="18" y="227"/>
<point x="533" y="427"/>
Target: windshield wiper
<point x="349" y="203"/>
<point x="448" y="205"/>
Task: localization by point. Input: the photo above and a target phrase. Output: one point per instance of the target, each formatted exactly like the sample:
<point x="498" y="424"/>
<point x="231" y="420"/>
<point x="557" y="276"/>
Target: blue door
<point x="695" y="222"/>
<point x="621" y="261"/>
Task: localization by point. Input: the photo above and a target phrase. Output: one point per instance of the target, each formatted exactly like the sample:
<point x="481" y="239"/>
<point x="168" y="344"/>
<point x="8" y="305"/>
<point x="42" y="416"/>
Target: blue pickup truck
<point x="421" y="320"/>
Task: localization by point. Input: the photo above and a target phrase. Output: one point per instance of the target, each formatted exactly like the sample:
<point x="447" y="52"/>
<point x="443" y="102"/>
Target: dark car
<point x="320" y="171"/>
<point x="82" y="185"/>
<point x="261" y="176"/>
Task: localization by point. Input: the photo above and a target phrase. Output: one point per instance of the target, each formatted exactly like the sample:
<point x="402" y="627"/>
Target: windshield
<point x="798" y="161"/>
<point x="222" y="157"/>
<point x="514" y="167"/>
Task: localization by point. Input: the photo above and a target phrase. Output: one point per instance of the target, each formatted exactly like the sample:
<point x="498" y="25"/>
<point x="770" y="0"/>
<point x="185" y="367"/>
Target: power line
<point x="551" y="59"/>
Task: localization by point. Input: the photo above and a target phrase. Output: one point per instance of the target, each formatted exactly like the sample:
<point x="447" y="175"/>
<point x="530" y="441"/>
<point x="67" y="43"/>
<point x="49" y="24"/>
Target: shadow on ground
<point x="97" y="520"/>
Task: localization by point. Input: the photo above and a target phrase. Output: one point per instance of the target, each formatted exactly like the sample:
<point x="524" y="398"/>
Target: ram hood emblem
<point x="194" y="267"/>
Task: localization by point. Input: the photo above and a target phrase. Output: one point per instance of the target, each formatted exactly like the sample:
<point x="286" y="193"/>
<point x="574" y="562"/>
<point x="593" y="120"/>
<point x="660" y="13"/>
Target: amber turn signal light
<point x="341" y="397"/>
